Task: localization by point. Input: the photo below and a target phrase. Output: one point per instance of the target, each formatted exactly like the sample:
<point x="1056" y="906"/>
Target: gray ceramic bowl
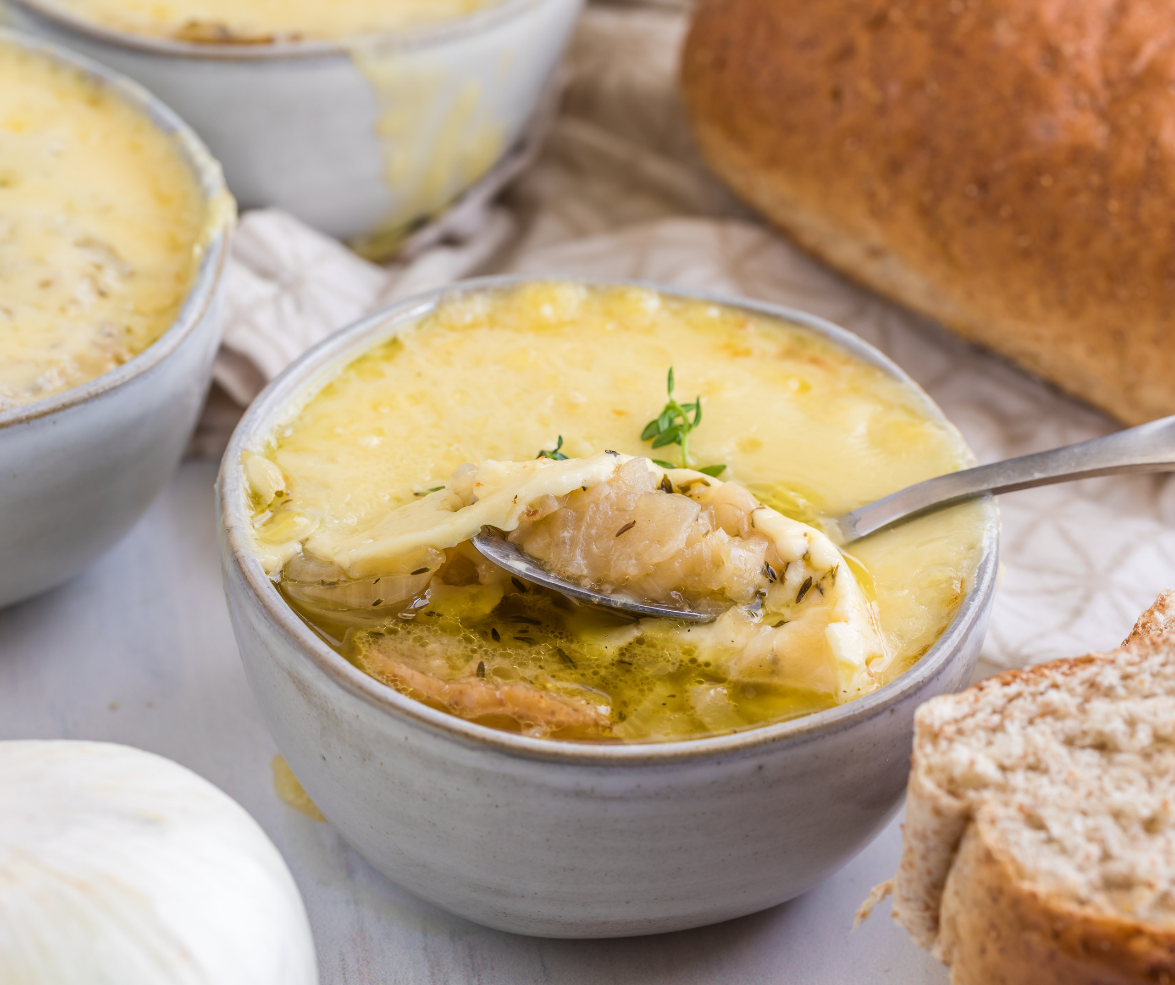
<point x="79" y="468"/>
<point x="294" y="123"/>
<point x="562" y="839"/>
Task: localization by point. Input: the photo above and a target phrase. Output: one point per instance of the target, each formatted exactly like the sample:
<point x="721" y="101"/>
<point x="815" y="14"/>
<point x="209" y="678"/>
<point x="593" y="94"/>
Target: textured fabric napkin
<point x="617" y="191"/>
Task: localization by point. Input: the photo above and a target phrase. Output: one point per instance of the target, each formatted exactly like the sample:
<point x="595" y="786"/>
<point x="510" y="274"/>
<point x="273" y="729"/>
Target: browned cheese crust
<point x="1005" y="167"/>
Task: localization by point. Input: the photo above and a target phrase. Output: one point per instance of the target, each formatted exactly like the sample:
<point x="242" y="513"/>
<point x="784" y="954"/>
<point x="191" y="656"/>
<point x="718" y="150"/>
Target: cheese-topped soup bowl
<point x="114" y="222"/>
<point x="360" y="117"/>
<point x="559" y="770"/>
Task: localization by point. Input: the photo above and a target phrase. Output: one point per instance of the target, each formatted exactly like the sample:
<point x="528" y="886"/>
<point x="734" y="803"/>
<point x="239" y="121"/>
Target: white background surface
<point x="139" y="650"/>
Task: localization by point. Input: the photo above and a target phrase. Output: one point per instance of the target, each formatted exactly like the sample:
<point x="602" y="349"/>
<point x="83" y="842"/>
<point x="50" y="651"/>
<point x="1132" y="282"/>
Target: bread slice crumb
<point x="1039" y="843"/>
<point x="876" y="895"/>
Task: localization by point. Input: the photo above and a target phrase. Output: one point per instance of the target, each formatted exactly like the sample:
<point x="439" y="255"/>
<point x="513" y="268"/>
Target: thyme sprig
<point x="554" y="454"/>
<point x="673" y="426"/>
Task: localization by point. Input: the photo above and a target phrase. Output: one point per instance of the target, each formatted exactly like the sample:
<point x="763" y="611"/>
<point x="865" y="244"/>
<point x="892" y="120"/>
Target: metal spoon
<point x="1147" y="448"/>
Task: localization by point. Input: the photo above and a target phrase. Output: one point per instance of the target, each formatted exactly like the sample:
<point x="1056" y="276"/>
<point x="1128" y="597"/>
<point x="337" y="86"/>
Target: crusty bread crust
<point x="961" y="895"/>
<point x="935" y="823"/>
<point x="1006" y="168"/>
<point x="1159" y="618"/>
<point x="996" y="929"/>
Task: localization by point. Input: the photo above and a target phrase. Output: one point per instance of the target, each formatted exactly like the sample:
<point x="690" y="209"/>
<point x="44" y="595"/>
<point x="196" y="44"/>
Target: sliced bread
<point x="1039" y="843"/>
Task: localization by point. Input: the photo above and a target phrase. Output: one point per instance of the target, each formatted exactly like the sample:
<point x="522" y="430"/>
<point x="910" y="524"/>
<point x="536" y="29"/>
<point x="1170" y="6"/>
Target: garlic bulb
<point x="120" y="867"/>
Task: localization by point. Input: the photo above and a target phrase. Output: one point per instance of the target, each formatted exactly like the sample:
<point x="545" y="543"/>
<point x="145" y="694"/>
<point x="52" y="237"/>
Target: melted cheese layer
<point x="809" y="430"/>
<point x="101" y="229"/>
<point x="259" y="21"/>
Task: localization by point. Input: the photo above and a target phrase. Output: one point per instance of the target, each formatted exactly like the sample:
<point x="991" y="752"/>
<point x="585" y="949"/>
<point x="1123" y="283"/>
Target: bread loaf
<point x="1039" y="843"/>
<point x="1007" y="168"/>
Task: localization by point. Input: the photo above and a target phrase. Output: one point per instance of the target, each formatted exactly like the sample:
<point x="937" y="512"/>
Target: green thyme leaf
<point x="663" y="464"/>
<point x="555" y="454"/>
<point x="714" y="470"/>
<point x="673" y="426"/>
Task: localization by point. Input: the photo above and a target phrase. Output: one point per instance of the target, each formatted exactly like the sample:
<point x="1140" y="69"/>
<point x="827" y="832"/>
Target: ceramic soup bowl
<point x="80" y="467"/>
<point x="360" y="139"/>
<point x="568" y="839"/>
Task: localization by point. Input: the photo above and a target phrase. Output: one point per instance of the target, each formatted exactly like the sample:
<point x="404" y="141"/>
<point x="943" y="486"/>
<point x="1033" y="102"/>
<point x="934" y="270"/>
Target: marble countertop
<point x="139" y="650"/>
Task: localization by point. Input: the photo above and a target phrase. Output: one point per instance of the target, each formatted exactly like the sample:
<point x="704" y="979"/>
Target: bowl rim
<point x="284" y="397"/>
<point x="425" y="36"/>
<point x="217" y="229"/>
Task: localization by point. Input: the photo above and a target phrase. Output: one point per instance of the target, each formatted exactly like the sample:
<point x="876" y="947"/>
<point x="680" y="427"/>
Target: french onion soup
<point x="670" y="449"/>
<point x="264" y="21"/>
<point x="102" y="228"/>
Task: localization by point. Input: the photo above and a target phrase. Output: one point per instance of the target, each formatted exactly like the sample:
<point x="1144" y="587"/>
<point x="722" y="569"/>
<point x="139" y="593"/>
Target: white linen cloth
<point x="618" y="192"/>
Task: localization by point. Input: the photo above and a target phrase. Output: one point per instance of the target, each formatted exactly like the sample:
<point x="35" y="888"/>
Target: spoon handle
<point x="1147" y="448"/>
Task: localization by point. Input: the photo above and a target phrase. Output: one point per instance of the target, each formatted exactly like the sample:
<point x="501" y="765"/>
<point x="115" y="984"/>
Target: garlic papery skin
<point x="120" y="867"/>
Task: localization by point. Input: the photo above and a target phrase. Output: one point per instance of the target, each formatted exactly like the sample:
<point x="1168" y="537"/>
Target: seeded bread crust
<point x="1004" y="167"/>
<point x="961" y="893"/>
